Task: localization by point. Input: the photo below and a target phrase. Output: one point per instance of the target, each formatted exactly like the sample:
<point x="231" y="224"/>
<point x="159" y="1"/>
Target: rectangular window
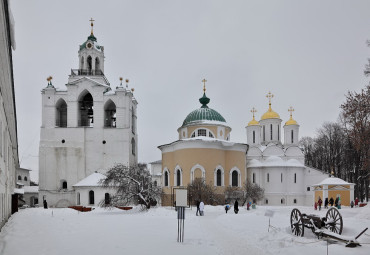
<point x="308" y="188"/>
<point x="281" y="177"/>
<point x="278" y="132"/>
<point x="270" y="131"/>
<point x="264" y="134"/>
<point x="254" y="178"/>
<point x="268" y="177"/>
<point x="295" y="178"/>
<point x="254" y="137"/>
<point x="292" y="135"/>
<point x="202" y="132"/>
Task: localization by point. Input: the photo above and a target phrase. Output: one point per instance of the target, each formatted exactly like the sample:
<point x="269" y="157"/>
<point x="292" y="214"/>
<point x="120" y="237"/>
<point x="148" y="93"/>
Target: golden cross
<point x="127" y="80"/>
<point x="253" y="111"/>
<point x="204" y="86"/>
<point x="269" y="96"/>
<point x="120" y="78"/>
<point x="291" y="110"/>
<point x="92" y="25"/>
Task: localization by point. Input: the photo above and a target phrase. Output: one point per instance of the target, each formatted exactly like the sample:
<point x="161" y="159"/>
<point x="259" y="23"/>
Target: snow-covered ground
<point x="36" y="231"/>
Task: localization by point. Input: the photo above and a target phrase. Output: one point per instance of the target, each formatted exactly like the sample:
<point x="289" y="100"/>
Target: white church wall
<point x="99" y="195"/>
<point x="312" y="177"/>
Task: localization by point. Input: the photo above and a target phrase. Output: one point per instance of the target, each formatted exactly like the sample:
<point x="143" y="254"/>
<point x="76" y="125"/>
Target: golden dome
<point x="253" y="122"/>
<point x="270" y="114"/>
<point x="291" y="121"/>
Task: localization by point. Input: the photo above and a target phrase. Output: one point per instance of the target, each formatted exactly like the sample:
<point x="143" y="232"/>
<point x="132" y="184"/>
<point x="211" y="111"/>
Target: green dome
<point x="203" y="114"/>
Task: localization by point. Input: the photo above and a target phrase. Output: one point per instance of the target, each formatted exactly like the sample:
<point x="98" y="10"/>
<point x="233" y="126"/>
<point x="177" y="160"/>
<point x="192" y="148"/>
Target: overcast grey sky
<point x="307" y="53"/>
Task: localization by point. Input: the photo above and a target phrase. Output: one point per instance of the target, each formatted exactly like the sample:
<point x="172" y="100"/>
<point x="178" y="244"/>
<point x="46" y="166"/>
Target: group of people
<point x="331" y="202"/>
<point x="236" y="207"/>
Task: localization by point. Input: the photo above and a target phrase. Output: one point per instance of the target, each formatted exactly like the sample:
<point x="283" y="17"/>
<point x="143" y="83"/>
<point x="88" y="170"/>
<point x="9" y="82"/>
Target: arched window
<point x="294" y="200"/>
<point x="91" y="197"/>
<point x="97" y="66"/>
<point x="25" y="178"/>
<point x="264" y="133"/>
<point x="133" y="147"/>
<point x="281" y="177"/>
<point x="253" y="178"/>
<point x="78" y="198"/>
<point x="133" y="120"/>
<point x="295" y="178"/>
<point x="219" y="178"/>
<point x="291" y="135"/>
<point x="178" y="177"/>
<point x="64" y="185"/>
<point x="155" y="183"/>
<point x="234" y="179"/>
<point x="86" y="108"/>
<point x="282" y="201"/>
<point x="89" y="65"/>
<point x="193" y="135"/>
<point x="266" y="201"/>
<point x="110" y="114"/>
<point x="19" y="178"/>
<point x="254" y="136"/>
<point x="166" y="179"/>
<point x="106" y="199"/>
<point x="268" y="177"/>
<point x="61" y="113"/>
<point x="270" y="131"/>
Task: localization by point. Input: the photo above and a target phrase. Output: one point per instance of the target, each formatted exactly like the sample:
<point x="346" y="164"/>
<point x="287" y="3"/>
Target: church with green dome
<point x="203" y="150"/>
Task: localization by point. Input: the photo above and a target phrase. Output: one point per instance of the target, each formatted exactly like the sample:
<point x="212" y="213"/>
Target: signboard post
<point x="181" y="203"/>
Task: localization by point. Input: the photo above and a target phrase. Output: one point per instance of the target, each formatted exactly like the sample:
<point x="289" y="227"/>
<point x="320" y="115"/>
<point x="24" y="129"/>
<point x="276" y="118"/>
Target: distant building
<point x="8" y="122"/>
<point x="30" y="193"/>
<point x="86" y="128"/>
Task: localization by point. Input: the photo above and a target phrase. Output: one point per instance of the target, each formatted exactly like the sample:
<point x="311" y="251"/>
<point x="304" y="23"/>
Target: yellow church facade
<point x="203" y="150"/>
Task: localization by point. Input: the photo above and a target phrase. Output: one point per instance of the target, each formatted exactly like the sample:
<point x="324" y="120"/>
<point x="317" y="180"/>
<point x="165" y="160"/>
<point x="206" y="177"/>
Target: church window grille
<point x="219" y="177"/>
<point x="234" y="179"/>
<point x="291" y="134"/>
<point x="166" y="179"/>
<point x="110" y="114"/>
<point x="270" y="131"/>
<point x="211" y="135"/>
<point x="61" y="114"/>
<point x="268" y="177"/>
<point x="86" y="108"/>
<point x="178" y="177"/>
<point x="25" y="178"/>
<point x="19" y="178"/>
<point x="253" y="178"/>
<point x="295" y="178"/>
<point x="133" y="146"/>
<point x="254" y="137"/>
<point x="106" y="198"/>
<point x="264" y="134"/>
<point x="64" y="185"/>
<point x="78" y="198"/>
<point x="193" y="135"/>
<point x="202" y="132"/>
<point x="91" y="197"/>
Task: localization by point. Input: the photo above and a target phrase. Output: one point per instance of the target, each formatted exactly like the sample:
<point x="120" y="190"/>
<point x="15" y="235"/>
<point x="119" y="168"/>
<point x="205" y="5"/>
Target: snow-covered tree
<point x="133" y="184"/>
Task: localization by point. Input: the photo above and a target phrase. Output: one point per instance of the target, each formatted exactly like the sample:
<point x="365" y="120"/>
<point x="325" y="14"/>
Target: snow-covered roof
<point x="91" y="181"/>
<point x="20" y="184"/>
<point x="31" y="189"/>
<point x="209" y="139"/>
<point x="274" y="161"/>
<point x="18" y="191"/>
<point x="156" y="162"/>
<point x="333" y="181"/>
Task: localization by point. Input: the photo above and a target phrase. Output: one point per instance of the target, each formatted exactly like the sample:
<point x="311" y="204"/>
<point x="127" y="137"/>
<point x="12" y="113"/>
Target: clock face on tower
<point x="89" y="45"/>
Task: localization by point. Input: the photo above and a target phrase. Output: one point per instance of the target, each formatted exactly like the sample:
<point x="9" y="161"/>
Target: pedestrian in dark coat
<point x="236" y="207"/>
<point x="320" y="203"/>
<point x="326" y="203"/>
<point x="356" y="202"/>
<point x="331" y="201"/>
<point x="336" y="202"/>
<point x="198" y="203"/>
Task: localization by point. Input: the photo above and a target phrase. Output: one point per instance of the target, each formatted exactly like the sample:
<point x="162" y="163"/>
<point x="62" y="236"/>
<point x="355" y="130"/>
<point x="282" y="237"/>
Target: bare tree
<point x="201" y="191"/>
<point x="133" y="184"/>
<point x="252" y="191"/>
<point x="234" y="193"/>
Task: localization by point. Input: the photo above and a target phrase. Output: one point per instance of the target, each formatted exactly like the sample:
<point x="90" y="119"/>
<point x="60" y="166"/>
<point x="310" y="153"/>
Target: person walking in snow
<point x="331" y="201"/>
<point x="326" y="203"/>
<point x="236" y="207"/>
<point x="336" y="202"/>
<point x="320" y="203"/>
<point x="227" y="207"/>
<point x="201" y="208"/>
<point x="356" y="202"/>
<point x="198" y="203"/>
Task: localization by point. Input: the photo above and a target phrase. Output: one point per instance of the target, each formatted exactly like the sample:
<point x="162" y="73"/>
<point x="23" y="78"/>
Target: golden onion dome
<point x="270" y="114"/>
<point x="291" y="121"/>
<point x="253" y="122"/>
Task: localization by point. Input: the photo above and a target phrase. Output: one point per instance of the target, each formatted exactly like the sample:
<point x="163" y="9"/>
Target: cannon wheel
<point x="296" y="222"/>
<point x="334" y="221"/>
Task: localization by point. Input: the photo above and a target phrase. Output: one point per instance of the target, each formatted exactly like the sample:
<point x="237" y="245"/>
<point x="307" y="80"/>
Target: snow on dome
<point x="274" y="161"/>
<point x="333" y="181"/>
<point x="91" y="180"/>
<point x="294" y="162"/>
